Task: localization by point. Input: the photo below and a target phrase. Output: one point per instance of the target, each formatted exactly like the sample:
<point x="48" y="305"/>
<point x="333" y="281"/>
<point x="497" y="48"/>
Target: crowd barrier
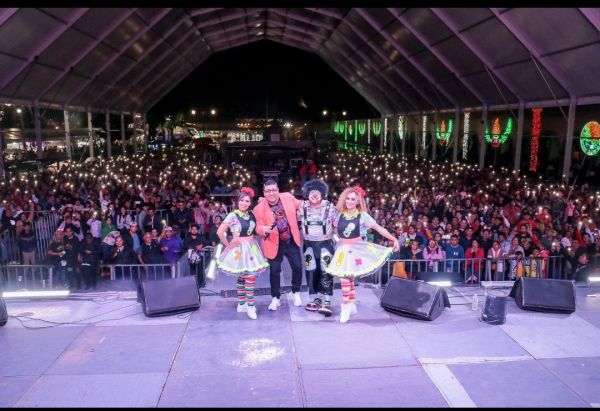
<point x="475" y="270"/>
<point x="26" y="277"/>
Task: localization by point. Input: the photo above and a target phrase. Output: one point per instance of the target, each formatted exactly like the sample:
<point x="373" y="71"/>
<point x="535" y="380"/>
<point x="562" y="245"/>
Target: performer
<point x="242" y="256"/>
<point x="279" y="210"/>
<point x="316" y="216"/>
<point x="355" y="257"/>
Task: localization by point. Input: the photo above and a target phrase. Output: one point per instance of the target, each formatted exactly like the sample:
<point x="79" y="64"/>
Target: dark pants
<point x="198" y="271"/>
<point x="318" y="280"/>
<point x="292" y="252"/>
<point x="90" y="274"/>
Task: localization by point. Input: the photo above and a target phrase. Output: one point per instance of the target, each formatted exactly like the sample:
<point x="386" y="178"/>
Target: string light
<point x="466" y="126"/>
<point x="535" y="136"/>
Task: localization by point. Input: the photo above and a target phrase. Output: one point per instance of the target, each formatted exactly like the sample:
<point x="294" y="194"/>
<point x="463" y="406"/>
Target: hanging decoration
<point x="350" y="129"/>
<point x="497" y="137"/>
<point x="590" y="138"/>
<point x="362" y="128"/>
<point x="444" y="133"/>
<point x="424" y="137"/>
<point x="385" y="131"/>
<point x="368" y="131"/>
<point x="401" y="121"/>
<point x="466" y="125"/>
<point x="376" y="127"/>
<point x="355" y="131"/>
<point x="536" y="126"/>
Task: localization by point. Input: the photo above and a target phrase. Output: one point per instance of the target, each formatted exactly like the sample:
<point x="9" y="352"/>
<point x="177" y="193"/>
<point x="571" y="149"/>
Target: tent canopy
<point x="401" y="60"/>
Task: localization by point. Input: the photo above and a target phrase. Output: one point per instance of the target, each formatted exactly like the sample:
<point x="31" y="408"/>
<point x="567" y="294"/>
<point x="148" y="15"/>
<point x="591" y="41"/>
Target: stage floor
<point x="111" y="355"/>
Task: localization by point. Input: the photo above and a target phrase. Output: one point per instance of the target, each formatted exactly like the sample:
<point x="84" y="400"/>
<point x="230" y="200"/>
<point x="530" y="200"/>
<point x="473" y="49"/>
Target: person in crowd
<point x="123" y="220"/>
<point x="355" y="257"/>
<point x="132" y="238"/>
<point x="150" y="256"/>
<point x="495" y="262"/>
<point x="194" y="243"/>
<point x="277" y="222"/>
<point x="316" y="215"/>
<point x="474" y="262"/>
<point x="71" y="257"/>
<point x="182" y="217"/>
<point x="454" y="254"/>
<point x="413" y="259"/>
<point x="27" y="245"/>
<point x="90" y="257"/>
<point x="171" y="246"/>
<point x="433" y="253"/>
<point x="56" y="254"/>
<point x="121" y="254"/>
<point x="242" y="256"/>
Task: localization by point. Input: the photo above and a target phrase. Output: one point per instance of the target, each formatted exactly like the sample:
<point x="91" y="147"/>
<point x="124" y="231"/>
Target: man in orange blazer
<point x="276" y="219"/>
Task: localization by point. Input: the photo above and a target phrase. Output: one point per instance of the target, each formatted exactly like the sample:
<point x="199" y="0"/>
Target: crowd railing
<point x="26" y="277"/>
<point x="475" y="270"/>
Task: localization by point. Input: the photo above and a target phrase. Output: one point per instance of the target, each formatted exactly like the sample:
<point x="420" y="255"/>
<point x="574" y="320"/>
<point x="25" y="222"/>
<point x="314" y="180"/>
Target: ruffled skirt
<point x="357" y="259"/>
<point x="245" y="258"/>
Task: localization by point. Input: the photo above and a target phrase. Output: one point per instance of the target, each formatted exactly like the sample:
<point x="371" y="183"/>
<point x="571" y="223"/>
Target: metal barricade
<point x="9" y="249"/>
<point x="475" y="270"/>
<point x="44" y="226"/>
<point x="137" y="272"/>
<point x="26" y="277"/>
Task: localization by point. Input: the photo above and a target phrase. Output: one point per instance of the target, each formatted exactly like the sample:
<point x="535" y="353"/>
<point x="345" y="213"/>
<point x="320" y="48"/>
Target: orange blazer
<point x="264" y="216"/>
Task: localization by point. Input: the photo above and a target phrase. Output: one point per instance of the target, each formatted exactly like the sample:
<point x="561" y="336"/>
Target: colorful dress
<point x="355" y="257"/>
<point x="246" y="257"/>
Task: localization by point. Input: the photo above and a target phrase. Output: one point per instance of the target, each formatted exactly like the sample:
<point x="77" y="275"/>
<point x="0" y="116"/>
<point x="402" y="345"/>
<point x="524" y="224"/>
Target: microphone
<point x="272" y="226"/>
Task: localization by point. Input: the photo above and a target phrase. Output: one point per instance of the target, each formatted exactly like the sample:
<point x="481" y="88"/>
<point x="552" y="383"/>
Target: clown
<point x="242" y="256"/>
<point x="316" y="216"/>
<point x="354" y="256"/>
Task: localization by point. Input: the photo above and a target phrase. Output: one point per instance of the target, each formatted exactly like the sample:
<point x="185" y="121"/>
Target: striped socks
<point x="348" y="290"/>
<point x="250" y="282"/>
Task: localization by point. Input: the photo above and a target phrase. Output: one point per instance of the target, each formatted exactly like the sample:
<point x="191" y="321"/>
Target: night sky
<point x="235" y="81"/>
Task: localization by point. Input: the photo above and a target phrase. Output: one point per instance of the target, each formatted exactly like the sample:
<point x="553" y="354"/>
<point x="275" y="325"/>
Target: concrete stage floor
<point x="111" y="355"/>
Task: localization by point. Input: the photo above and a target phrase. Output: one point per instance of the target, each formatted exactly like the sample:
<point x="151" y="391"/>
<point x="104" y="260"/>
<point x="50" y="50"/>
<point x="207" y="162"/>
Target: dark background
<point x="236" y="82"/>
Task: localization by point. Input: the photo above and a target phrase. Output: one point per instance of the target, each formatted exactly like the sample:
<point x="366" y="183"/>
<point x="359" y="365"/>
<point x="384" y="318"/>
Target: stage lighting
<point x="35" y="294"/>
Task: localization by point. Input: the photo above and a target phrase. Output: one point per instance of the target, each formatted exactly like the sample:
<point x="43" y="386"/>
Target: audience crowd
<point x="156" y="208"/>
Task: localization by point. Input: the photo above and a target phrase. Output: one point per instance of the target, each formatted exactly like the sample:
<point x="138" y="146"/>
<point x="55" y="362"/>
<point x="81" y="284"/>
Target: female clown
<point x="355" y="257"/>
<point x="242" y="256"/>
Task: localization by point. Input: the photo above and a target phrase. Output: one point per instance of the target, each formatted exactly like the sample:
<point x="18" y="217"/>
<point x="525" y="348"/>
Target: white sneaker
<point x="297" y="299"/>
<point x="242" y="308"/>
<point x="353" y="309"/>
<point x="345" y="313"/>
<point x="251" y="311"/>
<point x="275" y="304"/>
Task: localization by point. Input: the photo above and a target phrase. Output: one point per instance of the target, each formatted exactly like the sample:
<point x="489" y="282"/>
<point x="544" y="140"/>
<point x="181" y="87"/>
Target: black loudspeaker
<point x="414" y="299"/>
<point x="3" y="311"/>
<point x="544" y="295"/>
<point x="170" y="296"/>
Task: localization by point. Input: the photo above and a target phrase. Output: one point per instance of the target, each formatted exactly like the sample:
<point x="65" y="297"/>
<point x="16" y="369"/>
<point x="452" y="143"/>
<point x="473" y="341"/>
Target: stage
<point x="111" y="355"/>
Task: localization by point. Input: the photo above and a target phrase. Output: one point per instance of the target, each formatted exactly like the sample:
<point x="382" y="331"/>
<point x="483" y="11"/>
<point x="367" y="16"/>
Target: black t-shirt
<point x="72" y="249"/>
<point x="151" y="254"/>
<point x="190" y="243"/>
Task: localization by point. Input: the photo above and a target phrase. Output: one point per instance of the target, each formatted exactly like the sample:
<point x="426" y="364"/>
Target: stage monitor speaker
<point x="544" y="295"/>
<point x="414" y="299"/>
<point x="170" y="296"/>
<point x="3" y="311"/>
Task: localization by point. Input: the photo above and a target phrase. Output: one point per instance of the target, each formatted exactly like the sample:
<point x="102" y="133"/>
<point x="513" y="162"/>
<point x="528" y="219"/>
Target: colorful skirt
<point x="357" y="258"/>
<point x="245" y="258"/>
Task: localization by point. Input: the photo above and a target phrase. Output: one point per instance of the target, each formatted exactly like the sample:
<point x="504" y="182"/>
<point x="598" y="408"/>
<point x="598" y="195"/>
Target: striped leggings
<point x="245" y="289"/>
<point x="348" y="290"/>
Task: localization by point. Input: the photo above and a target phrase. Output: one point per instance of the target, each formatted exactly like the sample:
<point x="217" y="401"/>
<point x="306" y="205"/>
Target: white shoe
<point x="345" y="313"/>
<point x="251" y="311"/>
<point x="275" y="304"/>
<point x="297" y="300"/>
<point x="353" y="309"/>
<point x="242" y="308"/>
